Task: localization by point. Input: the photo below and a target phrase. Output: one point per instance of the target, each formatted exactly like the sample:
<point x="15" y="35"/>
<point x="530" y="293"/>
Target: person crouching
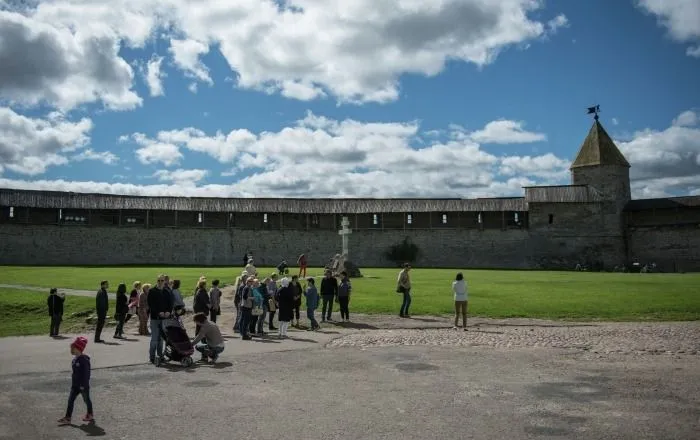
<point x="209" y="332"/>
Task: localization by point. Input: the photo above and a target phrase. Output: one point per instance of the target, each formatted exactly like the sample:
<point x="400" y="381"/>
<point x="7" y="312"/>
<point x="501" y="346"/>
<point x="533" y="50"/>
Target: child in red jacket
<point x="80" y="384"/>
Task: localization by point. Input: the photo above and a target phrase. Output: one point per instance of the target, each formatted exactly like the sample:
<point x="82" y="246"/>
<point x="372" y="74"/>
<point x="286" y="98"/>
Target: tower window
<point x="516" y="218"/>
<point x="199" y="218"/>
<point x="409" y="219"/>
<point x="551" y="218"/>
<point x="12" y="212"/>
<point x="265" y="218"/>
<point x="479" y="219"/>
<point x="375" y="219"/>
<point x="314" y="220"/>
<point x="444" y="219"/>
<point x="60" y="214"/>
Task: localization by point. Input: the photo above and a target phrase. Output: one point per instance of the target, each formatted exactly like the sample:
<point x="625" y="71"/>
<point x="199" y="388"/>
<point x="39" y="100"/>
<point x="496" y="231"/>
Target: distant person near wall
<point x="403" y="286"/>
<point x="459" y="288"/>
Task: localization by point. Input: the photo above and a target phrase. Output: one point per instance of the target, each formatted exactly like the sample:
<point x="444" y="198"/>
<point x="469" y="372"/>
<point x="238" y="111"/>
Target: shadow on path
<point x="91" y="429"/>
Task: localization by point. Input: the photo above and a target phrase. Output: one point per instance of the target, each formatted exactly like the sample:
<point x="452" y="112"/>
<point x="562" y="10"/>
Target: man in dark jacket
<point x="160" y="306"/>
<point x="101" y="306"/>
<point x="55" y="303"/>
<point x="329" y="290"/>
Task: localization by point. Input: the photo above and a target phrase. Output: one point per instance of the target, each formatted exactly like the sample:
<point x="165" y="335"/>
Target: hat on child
<point x="79" y="344"/>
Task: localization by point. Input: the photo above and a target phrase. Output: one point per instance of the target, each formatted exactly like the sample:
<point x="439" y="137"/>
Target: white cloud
<point x="31" y="145"/>
<point x="46" y="62"/>
<point x="506" y="132"/>
<point x="154" y="76"/>
<point x="667" y="161"/>
<point x="105" y="157"/>
<point x="680" y="17"/>
<point x="615" y="121"/>
<point x="317" y="156"/>
<point x="186" y="55"/>
<point x="181" y="176"/>
<point x="68" y="50"/>
<point x="558" y="22"/>
<point x="152" y="151"/>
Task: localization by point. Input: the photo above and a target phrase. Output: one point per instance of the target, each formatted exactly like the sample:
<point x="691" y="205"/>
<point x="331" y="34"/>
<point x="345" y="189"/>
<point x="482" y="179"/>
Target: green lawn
<point x="497" y="294"/>
<point x="25" y="313"/>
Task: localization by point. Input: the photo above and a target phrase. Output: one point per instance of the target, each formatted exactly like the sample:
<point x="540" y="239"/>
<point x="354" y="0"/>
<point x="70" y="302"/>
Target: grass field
<point x="496" y="294"/>
<point x="24" y="313"/>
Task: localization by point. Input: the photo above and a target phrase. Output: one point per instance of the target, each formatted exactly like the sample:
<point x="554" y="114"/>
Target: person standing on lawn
<point x="55" y="304"/>
<point x="403" y="285"/>
<point x="459" y="288"/>
<point x="329" y="290"/>
<point x="344" y="291"/>
<point x="101" y="306"/>
<point x="302" y="261"/>
<point x="80" y="381"/>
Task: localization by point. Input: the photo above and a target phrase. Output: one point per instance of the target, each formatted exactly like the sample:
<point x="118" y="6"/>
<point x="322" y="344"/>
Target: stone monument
<point x="341" y="262"/>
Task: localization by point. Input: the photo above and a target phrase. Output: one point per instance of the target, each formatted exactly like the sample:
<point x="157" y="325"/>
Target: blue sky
<point x="460" y="98"/>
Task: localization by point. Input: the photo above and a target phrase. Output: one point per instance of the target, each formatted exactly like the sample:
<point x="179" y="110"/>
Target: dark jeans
<point x="327" y="305"/>
<point x="119" y="330"/>
<point x="74" y="392"/>
<point x="55" y="324"/>
<point x="296" y="311"/>
<point x="253" y="323"/>
<point x="406" y="303"/>
<point x="213" y="314"/>
<point x="312" y="318"/>
<point x="237" y="324"/>
<point x="244" y="327"/>
<point x="100" y="325"/>
<point x="344" y="302"/>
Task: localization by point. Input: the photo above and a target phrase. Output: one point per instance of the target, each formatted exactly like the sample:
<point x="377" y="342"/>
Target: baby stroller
<point x="178" y="346"/>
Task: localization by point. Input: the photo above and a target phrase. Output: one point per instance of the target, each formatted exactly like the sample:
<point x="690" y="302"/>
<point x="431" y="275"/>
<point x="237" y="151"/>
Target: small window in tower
<point x="60" y="214"/>
<point x="375" y="219"/>
<point x="444" y="219"/>
<point x="409" y="219"/>
<point x="199" y="218"/>
<point x="12" y="212"/>
<point x="479" y="219"/>
<point x="516" y="218"/>
<point x="265" y="218"/>
<point x="551" y="218"/>
<point x="314" y="220"/>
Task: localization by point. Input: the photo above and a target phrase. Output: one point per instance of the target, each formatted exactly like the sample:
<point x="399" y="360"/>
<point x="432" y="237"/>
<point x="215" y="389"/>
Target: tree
<point x="404" y="252"/>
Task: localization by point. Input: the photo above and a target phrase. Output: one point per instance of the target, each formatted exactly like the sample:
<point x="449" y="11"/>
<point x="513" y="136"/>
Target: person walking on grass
<point x="311" y="295"/>
<point x="302" y="261"/>
<point x="101" y="307"/>
<point x="344" y="290"/>
<point x="329" y="290"/>
<point x="120" y="311"/>
<point x="55" y="304"/>
<point x="403" y="286"/>
<point x="80" y="381"/>
<point x="459" y="288"/>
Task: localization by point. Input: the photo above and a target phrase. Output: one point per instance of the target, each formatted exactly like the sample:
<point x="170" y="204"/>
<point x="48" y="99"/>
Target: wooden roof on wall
<point x="68" y="200"/>
<point x="663" y="203"/>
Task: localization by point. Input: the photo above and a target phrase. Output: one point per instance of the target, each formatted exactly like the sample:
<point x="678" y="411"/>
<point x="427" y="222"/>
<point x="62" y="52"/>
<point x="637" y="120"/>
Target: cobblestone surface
<point x="628" y="338"/>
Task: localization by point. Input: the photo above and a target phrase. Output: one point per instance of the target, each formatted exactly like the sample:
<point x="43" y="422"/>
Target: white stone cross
<point x="344" y="233"/>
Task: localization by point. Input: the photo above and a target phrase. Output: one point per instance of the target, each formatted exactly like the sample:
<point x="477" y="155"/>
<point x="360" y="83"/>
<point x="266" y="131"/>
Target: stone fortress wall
<point x="592" y="222"/>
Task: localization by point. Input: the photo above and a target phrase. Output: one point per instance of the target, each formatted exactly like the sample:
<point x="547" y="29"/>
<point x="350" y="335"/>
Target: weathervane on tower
<point x="594" y="111"/>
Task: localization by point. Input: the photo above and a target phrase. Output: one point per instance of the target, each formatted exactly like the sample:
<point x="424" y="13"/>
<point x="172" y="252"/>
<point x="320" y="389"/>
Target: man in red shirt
<point x="301" y="261"/>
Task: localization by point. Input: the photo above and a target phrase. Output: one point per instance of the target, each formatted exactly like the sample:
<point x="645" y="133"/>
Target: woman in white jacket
<point x="459" y="288"/>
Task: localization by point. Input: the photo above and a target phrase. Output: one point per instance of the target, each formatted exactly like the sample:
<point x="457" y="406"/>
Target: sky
<point x="332" y="98"/>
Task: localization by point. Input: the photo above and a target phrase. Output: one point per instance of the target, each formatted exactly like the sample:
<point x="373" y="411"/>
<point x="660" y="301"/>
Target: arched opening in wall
<point x="265" y="218"/>
<point x="479" y="219"/>
<point x="375" y="219"/>
<point x="200" y="218"/>
<point x="11" y="213"/>
<point x="444" y="219"/>
<point x="409" y="219"/>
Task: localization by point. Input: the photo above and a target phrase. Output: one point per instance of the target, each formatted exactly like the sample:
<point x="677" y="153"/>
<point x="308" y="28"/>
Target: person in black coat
<point x="121" y="310"/>
<point x="329" y="290"/>
<point x="286" y="301"/>
<point x="55" y="303"/>
<point x="101" y="306"/>
<point x="298" y="293"/>
<point x="202" y="302"/>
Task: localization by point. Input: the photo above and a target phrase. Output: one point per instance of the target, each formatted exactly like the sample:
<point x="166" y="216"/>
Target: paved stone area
<point x="379" y="377"/>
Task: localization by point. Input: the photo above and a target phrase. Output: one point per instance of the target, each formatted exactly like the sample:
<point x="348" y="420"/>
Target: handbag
<point x="132" y="310"/>
<point x="257" y="311"/>
<point x="271" y="305"/>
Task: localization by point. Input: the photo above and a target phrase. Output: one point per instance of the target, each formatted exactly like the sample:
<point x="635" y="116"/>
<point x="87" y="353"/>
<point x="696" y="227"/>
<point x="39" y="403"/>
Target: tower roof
<point x="599" y="149"/>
